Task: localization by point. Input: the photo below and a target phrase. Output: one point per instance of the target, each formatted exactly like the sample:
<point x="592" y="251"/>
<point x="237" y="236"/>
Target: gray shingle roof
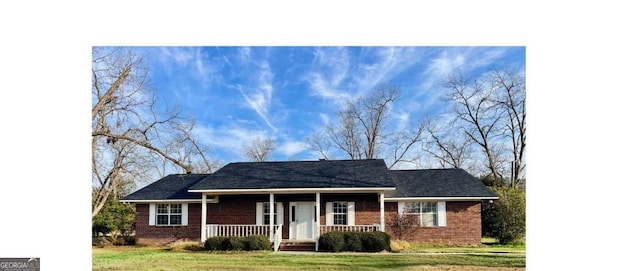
<point x="372" y="173"/>
<point x="337" y="174"/>
<point x="173" y="186"/>
<point x="437" y="183"/>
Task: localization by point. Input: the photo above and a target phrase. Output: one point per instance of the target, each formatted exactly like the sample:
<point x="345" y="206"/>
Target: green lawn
<point x="489" y="245"/>
<point x="154" y="258"/>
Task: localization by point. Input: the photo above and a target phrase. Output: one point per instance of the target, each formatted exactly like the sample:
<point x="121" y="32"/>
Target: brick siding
<point x="463" y="218"/>
<point x="463" y="227"/>
<point x="155" y="235"/>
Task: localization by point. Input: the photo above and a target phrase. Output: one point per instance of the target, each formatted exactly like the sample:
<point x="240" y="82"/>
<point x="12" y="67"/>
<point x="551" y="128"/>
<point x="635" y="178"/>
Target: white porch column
<point x="271" y="200"/>
<point x="203" y="219"/>
<point x="317" y="234"/>
<point x="381" y="211"/>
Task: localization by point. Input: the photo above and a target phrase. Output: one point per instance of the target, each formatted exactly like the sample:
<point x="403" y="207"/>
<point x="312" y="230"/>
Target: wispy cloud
<point x="291" y="149"/>
<point x="325" y="119"/>
<point x="465" y="59"/>
<point x="244" y="54"/>
<point x="387" y="62"/>
<point x="329" y="69"/>
<point x="191" y="62"/>
<point x="401" y="120"/>
<point x="336" y="77"/>
<point x="259" y="94"/>
<point x="228" y="140"/>
<point x="447" y="61"/>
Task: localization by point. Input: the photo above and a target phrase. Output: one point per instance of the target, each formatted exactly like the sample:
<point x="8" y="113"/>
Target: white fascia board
<point x="294" y="190"/>
<point x="164" y="200"/>
<point x="439" y="199"/>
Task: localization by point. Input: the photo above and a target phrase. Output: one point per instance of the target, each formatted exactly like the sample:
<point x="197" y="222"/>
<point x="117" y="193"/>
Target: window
<point x="262" y="213"/>
<point x="427" y="212"/>
<point x="266" y="214"/>
<point x="340" y="213"/>
<point x="169" y="214"/>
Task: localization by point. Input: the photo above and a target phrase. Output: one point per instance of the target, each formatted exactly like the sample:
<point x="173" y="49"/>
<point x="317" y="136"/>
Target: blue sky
<point x="580" y="78"/>
<point x="236" y="94"/>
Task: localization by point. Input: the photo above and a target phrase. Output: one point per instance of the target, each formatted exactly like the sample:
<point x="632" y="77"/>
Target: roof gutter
<point x="293" y="190"/>
<point x="163" y="200"/>
<point x="440" y="199"/>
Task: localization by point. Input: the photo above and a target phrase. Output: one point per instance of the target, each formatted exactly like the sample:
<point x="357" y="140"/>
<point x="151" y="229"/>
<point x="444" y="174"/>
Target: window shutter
<point x="185" y="214"/>
<point x="152" y="214"/>
<point x="351" y="213"/>
<point x="400" y="208"/>
<point x="280" y="213"/>
<point x="258" y="213"/>
<point x="329" y="214"/>
<point x="442" y="213"/>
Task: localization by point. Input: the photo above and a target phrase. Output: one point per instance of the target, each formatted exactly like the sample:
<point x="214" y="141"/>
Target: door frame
<point x="293" y="225"/>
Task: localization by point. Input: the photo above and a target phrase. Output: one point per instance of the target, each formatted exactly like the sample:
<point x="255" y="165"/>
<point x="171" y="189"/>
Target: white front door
<point x="302" y="220"/>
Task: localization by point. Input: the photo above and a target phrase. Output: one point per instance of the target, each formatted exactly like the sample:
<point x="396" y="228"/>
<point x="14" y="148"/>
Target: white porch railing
<point x="277" y="237"/>
<point x="358" y="228"/>
<point x="236" y="230"/>
<point x="245" y="230"/>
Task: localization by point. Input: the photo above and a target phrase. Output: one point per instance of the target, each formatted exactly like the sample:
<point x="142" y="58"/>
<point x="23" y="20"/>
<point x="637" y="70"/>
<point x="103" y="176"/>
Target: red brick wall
<point x="463" y="218"/>
<point x="463" y="227"/>
<point x="234" y="209"/>
<point x="146" y="234"/>
<point x="367" y="207"/>
<point x="241" y="209"/>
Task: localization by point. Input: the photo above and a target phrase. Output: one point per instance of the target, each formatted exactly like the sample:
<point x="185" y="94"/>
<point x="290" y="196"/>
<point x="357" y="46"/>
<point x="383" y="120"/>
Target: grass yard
<point x="489" y="245"/>
<point x="156" y="258"/>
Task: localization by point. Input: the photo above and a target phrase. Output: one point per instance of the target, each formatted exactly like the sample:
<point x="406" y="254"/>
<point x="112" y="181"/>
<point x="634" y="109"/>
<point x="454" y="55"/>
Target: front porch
<point x="275" y="233"/>
<point x="291" y="218"/>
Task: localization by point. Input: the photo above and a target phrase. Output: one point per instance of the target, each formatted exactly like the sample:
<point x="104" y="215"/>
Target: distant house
<point x="297" y="201"/>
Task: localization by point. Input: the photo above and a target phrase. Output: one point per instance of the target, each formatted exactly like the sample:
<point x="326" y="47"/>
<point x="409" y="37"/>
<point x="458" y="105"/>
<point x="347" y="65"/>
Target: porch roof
<point x="323" y="174"/>
<point x="438" y="183"/>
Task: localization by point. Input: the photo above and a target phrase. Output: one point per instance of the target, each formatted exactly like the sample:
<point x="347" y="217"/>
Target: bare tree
<point x="320" y="143"/>
<point x="132" y="133"/>
<point x="371" y="113"/>
<point x="362" y="130"/>
<point x="475" y="108"/>
<point x="449" y="150"/>
<point x="490" y="111"/>
<point x="512" y="99"/>
<point x="259" y="150"/>
<point x="404" y="141"/>
<point x="346" y="136"/>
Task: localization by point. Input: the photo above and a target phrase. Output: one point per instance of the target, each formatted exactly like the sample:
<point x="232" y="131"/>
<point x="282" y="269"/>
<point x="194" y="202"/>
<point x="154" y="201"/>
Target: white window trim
<point x="351" y="213"/>
<point x="184" y="220"/>
<point x="260" y="213"/>
<point x="441" y="212"/>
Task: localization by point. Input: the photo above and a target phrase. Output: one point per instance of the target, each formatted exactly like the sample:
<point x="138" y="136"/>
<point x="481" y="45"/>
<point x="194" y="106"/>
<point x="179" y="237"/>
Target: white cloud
<point x="325" y="119"/>
<point x="390" y="61"/>
<point x="446" y="62"/>
<point x="327" y="90"/>
<point x="245" y="55"/>
<point x="181" y="55"/>
<point x="228" y="140"/>
<point x="259" y="95"/>
<point x="291" y="148"/>
<point x="463" y="60"/>
<point x="330" y="68"/>
<point x="402" y="120"/>
<point x="191" y="62"/>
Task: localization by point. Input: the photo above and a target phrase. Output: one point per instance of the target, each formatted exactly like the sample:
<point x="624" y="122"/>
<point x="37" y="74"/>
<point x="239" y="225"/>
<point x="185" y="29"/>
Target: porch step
<point x="297" y="246"/>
